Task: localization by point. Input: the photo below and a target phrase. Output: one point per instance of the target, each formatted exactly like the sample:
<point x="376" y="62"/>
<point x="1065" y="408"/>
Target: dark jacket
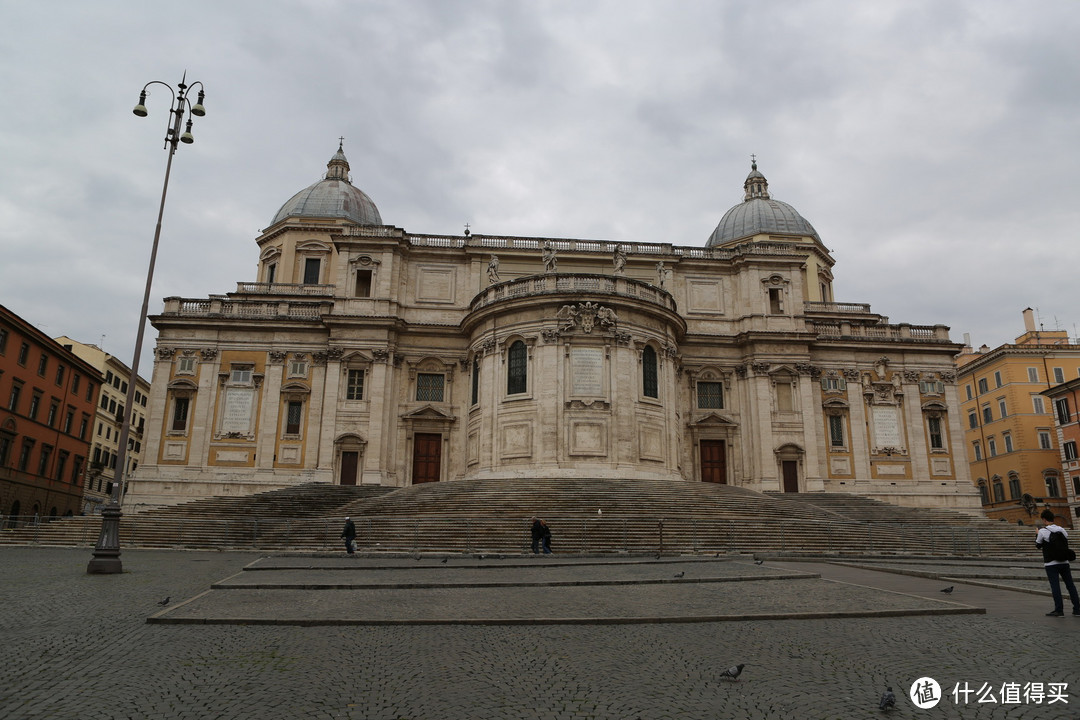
<point x="349" y="533"/>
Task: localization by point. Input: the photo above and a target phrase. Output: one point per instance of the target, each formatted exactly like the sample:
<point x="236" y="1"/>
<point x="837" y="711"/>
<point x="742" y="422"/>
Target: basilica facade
<point x="366" y="354"/>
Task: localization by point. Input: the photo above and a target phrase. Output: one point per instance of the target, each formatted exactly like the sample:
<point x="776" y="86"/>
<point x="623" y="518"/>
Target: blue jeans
<point x="1062" y="572"/>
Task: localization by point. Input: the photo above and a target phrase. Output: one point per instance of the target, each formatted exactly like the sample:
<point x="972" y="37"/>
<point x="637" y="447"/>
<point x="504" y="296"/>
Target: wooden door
<point x="713" y="461"/>
<point x="427" y="457"/>
<point x="348" y="467"/>
<point x="791" y="475"/>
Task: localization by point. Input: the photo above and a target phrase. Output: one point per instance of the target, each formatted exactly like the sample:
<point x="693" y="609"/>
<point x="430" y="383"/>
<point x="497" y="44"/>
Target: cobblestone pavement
<point x="78" y="646"/>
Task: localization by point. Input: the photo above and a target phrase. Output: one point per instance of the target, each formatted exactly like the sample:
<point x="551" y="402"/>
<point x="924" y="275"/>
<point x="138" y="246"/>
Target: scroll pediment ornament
<point x="277" y="357"/>
<point x="808" y="369"/>
<point x="380" y="355"/>
<point x="335" y="353"/>
<point x="622" y="338"/>
<point x="947" y="376"/>
<point x="760" y="368"/>
<point x="209" y="353"/>
<point x="851" y="374"/>
<point x="586" y="316"/>
<point x="912" y="376"/>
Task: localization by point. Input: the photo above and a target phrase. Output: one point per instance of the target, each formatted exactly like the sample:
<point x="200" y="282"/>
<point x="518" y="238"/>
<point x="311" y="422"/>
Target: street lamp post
<point x="106" y="558"/>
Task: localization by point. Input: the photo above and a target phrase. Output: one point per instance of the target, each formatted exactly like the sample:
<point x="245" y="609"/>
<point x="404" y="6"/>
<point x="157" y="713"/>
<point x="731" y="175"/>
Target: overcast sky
<point x="932" y="144"/>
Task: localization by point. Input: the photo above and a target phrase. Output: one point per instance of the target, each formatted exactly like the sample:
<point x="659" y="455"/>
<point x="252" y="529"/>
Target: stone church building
<point x="367" y="354"/>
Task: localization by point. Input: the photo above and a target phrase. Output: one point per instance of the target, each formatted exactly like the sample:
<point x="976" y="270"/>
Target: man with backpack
<point x="1054" y="543"/>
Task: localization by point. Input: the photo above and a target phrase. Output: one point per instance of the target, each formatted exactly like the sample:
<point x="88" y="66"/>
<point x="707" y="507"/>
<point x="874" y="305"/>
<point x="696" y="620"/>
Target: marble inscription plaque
<point x="586" y="366"/>
<point x="887" y="427"/>
<point x="236" y="414"/>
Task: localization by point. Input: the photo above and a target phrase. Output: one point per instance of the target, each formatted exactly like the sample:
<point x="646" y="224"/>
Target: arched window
<point x="983" y="494"/>
<point x="649" y="384"/>
<point x="999" y="490"/>
<point x="517" y="360"/>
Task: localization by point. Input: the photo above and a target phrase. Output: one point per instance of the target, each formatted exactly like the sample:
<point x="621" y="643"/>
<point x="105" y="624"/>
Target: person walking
<point x="1054" y="543"/>
<point x="545" y="537"/>
<point x="349" y="535"/>
<point x="537" y="532"/>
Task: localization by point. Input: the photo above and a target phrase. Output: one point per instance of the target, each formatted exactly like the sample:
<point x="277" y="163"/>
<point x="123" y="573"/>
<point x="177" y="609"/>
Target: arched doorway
<point x="350" y="453"/>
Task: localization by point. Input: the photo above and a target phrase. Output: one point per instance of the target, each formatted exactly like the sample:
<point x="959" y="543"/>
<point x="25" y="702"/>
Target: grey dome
<point x="759" y="213"/>
<point x="332" y="197"/>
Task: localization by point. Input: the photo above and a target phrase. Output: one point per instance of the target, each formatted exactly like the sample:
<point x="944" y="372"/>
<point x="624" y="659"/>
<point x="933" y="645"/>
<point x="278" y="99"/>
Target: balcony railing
<point x="259" y="288"/>
<point x="557" y="283"/>
<point x="902" y="331"/>
<point x="220" y="307"/>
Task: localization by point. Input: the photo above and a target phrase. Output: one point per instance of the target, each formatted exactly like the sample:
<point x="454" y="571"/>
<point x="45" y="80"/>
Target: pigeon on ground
<point x="164" y="602"/>
<point x="733" y="672"/>
<point x="680" y="574"/>
<point x="657" y="556"/>
<point x="948" y="590"/>
<point x="888" y="700"/>
<point x="444" y="560"/>
<point x="759" y="562"/>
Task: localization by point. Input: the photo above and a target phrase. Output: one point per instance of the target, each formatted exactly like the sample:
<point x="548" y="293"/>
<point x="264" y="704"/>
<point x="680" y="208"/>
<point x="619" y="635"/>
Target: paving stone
<point x="78" y="647"/>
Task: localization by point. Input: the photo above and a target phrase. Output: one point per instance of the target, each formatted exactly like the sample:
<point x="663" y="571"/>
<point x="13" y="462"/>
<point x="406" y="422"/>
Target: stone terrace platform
<point x="79" y="646"/>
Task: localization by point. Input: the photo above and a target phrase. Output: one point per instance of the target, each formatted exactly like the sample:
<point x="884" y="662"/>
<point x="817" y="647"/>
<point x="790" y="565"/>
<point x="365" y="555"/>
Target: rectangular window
<point x="1001" y="408"/>
<point x="983" y="385"/>
<point x="24" y="352"/>
<point x="1044" y="440"/>
<point x="76" y="469"/>
<point x="240" y="376"/>
<point x="1037" y="405"/>
<point x="475" y="380"/>
<point x="991" y="447"/>
<point x="1070" y="450"/>
<point x="43" y="365"/>
<point x="429" y="387"/>
<point x="311" y="271"/>
<point x="836" y="431"/>
<point x="294" y="416"/>
<point x="13" y="399"/>
<point x="710" y="395"/>
<point x="933" y="426"/>
<point x="973" y="419"/>
<point x="54" y="408"/>
<point x="997" y="378"/>
<point x="69" y="421"/>
<point x="60" y="375"/>
<point x="931" y="387"/>
<point x="1059" y="375"/>
<point x="1033" y="374"/>
<point x="83" y="425"/>
<point x="1052" y="486"/>
<point x="3" y="341"/>
<point x="1061" y="408"/>
<point x="61" y="464"/>
<point x="185" y="365"/>
<point x="75" y="380"/>
<point x="43" y="460"/>
<point x="271" y="273"/>
<point x="354" y="386"/>
<point x="1014" y="487"/>
<point x="5" y="450"/>
<point x="297" y="368"/>
<point x="89" y="391"/>
<point x="776" y="301"/>
<point x="988" y="415"/>
<point x="978" y="450"/>
<point x="833" y="383"/>
<point x="180" y="414"/>
<point x="1008" y="442"/>
<point x="363" y="283"/>
<point x="24" y="455"/>
<point x="968" y="389"/>
<point x="35" y="403"/>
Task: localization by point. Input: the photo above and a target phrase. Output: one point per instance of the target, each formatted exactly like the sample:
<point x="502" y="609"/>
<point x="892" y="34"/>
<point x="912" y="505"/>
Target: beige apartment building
<point x="1013" y="448"/>
<point x="101" y="471"/>
<point x="363" y="353"/>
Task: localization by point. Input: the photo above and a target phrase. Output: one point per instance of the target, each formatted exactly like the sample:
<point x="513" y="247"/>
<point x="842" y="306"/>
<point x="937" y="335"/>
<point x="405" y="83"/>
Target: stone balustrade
<point x="559" y="283"/>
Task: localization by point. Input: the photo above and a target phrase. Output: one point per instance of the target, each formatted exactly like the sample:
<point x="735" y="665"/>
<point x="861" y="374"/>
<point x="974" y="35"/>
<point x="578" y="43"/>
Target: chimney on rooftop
<point x="1029" y="320"/>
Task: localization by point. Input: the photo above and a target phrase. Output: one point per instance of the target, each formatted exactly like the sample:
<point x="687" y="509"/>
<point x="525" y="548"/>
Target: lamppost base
<point x="106" y="560"/>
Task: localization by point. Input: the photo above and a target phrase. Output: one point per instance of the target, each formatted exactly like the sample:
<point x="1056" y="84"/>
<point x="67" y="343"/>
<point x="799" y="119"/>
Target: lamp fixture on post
<point x="106" y="558"/>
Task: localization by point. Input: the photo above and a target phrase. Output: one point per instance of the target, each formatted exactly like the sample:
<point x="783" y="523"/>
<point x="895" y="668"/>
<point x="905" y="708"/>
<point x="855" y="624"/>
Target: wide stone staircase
<point x="585" y="516"/>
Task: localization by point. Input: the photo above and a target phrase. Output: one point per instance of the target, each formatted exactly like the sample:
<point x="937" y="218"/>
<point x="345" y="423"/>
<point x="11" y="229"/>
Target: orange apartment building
<point x="48" y="398"/>
<point x="1014" y="451"/>
<point x="1066" y="405"/>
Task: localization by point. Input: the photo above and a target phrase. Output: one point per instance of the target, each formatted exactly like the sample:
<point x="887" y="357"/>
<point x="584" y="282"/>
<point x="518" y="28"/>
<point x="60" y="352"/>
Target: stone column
<point x="269" y="409"/>
<point x="378" y="386"/>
